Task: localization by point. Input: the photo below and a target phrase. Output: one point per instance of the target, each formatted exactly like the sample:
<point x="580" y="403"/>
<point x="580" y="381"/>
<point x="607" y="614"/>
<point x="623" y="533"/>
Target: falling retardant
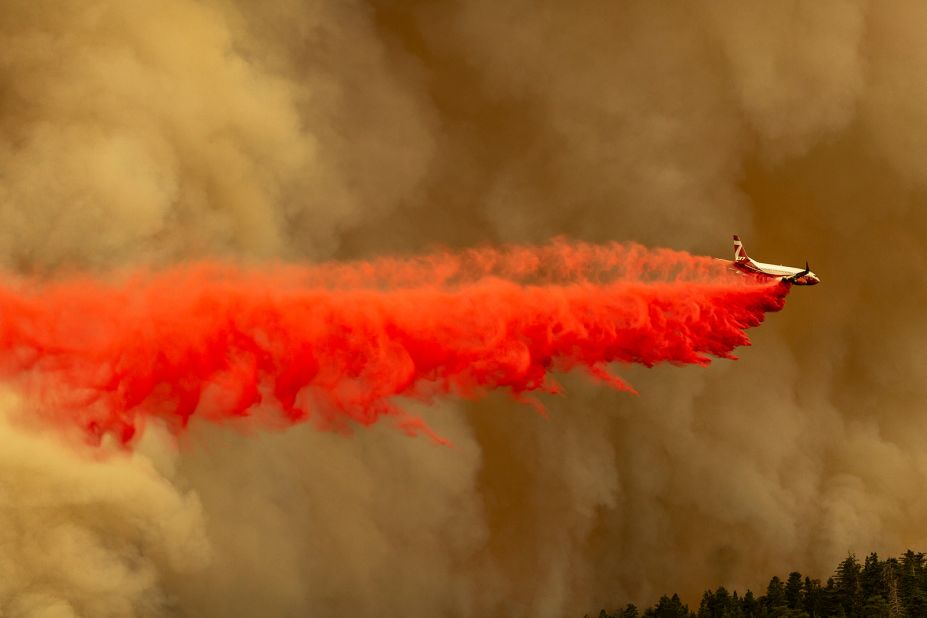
<point x="337" y="343"/>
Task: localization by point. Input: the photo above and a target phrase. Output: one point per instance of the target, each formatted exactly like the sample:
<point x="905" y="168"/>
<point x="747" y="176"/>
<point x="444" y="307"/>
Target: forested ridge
<point x="892" y="588"/>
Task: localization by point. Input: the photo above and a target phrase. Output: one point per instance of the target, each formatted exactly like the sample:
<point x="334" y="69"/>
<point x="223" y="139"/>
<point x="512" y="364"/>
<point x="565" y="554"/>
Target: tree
<point x="848" y="586"/>
<point x="630" y="611"/>
<point x="830" y="600"/>
<point x="871" y="579"/>
<point x="706" y="609"/>
<point x="913" y="592"/>
<point x="750" y="606"/>
<point x="668" y="607"/>
<point x="776" y="603"/>
<point x="720" y="604"/>
<point x="812" y="597"/>
<point x="891" y="572"/>
<point x="876" y="606"/>
<point x="793" y="590"/>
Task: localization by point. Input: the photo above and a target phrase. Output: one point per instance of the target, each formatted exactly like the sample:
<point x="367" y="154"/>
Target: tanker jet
<point x="797" y="276"/>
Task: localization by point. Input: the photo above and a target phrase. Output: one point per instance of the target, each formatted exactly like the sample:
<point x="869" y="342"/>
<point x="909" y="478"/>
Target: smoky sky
<point x="149" y="134"/>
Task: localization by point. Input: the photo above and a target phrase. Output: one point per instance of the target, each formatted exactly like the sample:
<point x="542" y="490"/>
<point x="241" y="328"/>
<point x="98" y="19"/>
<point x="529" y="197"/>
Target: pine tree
<point x="630" y="611"/>
<point x="737" y="609"/>
<point x="871" y="578"/>
<point x="812" y="598"/>
<point x="891" y="571"/>
<point x="750" y="606"/>
<point x="830" y="600"/>
<point x="913" y="592"/>
<point x="668" y="607"/>
<point x="874" y="590"/>
<point x="793" y="590"/>
<point x="848" y="586"/>
<point x="776" y="603"/>
<point x="720" y="604"/>
<point x="706" y="607"/>
<point x="876" y="606"/>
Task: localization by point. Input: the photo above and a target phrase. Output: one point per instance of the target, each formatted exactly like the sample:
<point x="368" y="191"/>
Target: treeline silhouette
<point x="892" y="588"/>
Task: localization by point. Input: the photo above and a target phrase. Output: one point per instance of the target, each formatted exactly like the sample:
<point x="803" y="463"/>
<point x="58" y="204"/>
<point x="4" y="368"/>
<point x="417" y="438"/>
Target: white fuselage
<point x="775" y="269"/>
<point x="797" y="276"/>
<point x="786" y="274"/>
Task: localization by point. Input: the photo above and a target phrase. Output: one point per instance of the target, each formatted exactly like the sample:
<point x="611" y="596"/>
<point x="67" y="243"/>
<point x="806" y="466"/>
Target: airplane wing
<point x="800" y="274"/>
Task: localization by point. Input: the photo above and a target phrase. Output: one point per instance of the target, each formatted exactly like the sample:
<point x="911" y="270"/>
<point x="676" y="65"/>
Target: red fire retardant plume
<point x="337" y="343"/>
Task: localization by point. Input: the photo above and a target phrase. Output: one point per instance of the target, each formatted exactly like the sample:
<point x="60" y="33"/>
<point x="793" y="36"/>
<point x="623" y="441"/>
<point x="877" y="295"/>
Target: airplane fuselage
<point x="796" y="276"/>
<point x="786" y="274"/>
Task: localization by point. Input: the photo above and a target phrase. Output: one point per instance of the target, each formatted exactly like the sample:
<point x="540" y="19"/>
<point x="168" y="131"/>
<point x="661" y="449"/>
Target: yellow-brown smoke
<point x="150" y="133"/>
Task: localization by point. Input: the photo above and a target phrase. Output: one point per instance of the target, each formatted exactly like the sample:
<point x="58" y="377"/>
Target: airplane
<point x="786" y="274"/>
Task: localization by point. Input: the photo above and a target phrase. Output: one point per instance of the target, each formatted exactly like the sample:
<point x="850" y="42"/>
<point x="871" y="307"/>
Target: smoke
<point x="133" y="136"/>
<point x="91" y="537"/>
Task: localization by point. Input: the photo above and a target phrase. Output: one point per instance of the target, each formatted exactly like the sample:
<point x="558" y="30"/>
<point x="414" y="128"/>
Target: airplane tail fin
<point x="740" y="254"/>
